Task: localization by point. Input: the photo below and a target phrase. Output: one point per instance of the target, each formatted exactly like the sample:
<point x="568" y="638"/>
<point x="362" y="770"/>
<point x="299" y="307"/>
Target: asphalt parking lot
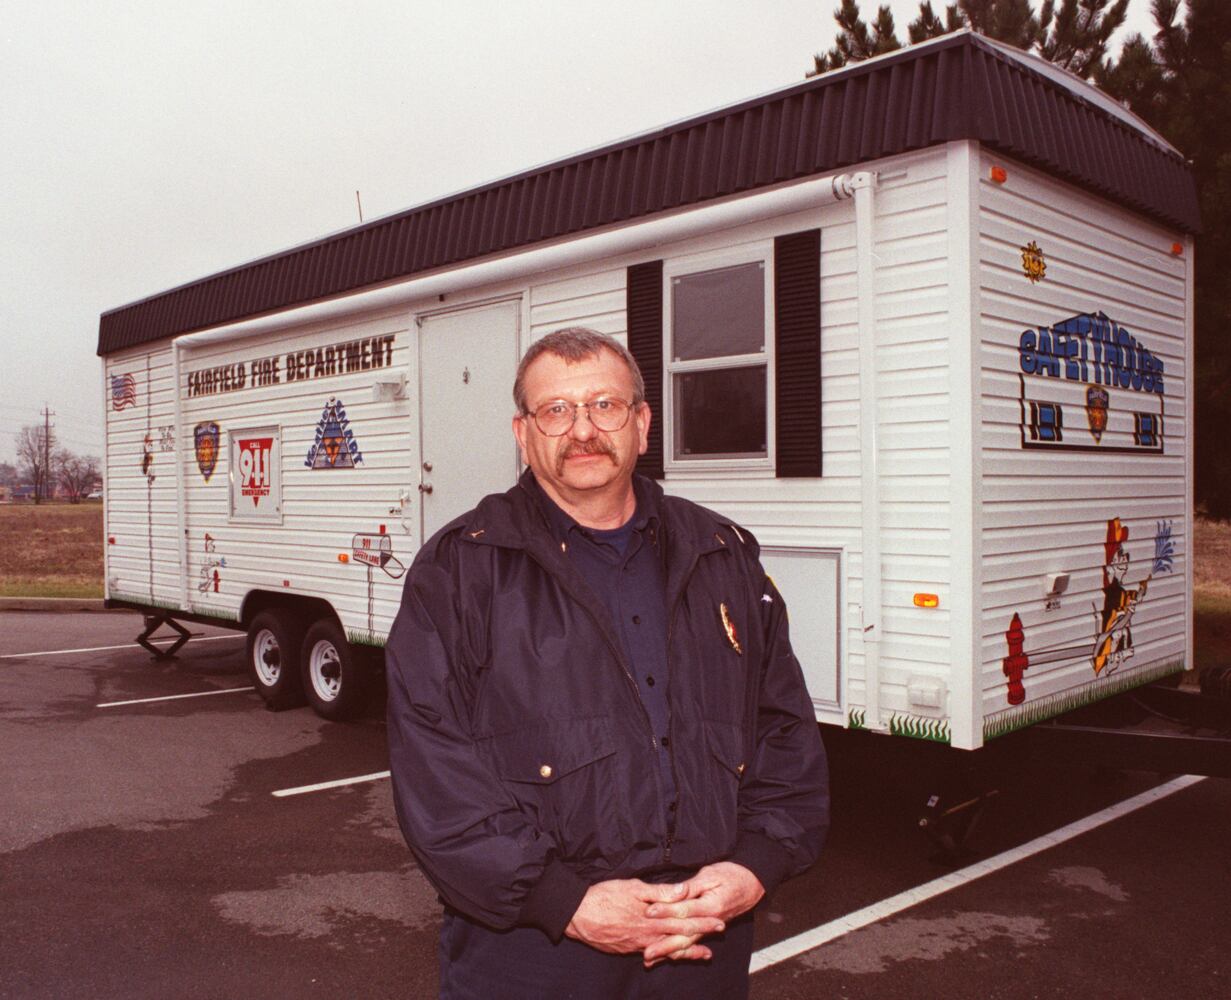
<point x="144" y="853"/>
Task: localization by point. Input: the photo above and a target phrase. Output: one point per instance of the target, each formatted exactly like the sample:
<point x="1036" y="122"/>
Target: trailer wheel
<point x="274" y="640"/>
<point x="333" y="678"/>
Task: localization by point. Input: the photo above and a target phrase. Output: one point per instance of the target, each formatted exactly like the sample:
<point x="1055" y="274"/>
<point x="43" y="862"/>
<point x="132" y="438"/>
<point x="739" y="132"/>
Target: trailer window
<point x="718" y="363"/>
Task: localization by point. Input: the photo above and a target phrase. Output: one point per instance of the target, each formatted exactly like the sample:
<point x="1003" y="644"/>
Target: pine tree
<point x="1181" y="85"/>
<point x="1080" y="32"/>
<point x="1178" y="81"/>
<point x="856" y="41"/>
<point x="928" y="25"/>
<point x="1011" y="21"/>
<point x="1074" y="36"/>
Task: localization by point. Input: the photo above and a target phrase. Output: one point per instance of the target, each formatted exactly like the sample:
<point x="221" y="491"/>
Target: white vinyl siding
<point x="142" y="564"/>
<point x="1046" y="511"/>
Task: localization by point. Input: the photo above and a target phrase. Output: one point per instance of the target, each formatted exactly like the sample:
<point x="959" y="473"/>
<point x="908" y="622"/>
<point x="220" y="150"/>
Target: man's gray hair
<point x="573" y="344"/>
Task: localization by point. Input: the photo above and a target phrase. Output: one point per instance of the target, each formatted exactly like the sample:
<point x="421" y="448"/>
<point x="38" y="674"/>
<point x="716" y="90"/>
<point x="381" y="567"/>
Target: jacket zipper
<point x="632" y="682"/>
<point x="673" y="813"/>
<point x="628" y="674"/>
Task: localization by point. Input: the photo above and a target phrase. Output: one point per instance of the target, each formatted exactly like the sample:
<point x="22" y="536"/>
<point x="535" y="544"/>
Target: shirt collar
<point x="645" y="515"/>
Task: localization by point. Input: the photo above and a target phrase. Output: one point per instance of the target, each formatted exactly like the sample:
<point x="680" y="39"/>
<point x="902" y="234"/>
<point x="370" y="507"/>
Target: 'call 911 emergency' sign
<point x="256" y="480"/>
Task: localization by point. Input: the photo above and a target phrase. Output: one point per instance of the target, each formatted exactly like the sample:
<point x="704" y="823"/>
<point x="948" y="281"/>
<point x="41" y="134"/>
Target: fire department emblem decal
<point x="334" y="446"/>
<point x="1033" y="263"/>
<point x="205" y="443"/>
<point x="1097" y="400"/>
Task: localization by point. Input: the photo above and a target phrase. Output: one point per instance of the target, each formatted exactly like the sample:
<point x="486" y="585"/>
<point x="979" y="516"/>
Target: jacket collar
<point x="516" y="519"/>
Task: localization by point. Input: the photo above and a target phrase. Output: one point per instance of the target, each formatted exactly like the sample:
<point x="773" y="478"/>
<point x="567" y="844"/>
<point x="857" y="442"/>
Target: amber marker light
<point x="999" y="174"/>
<point x="927" y="601"/>
<point x="1177" y="249"/>
<point x="343" y="557"/>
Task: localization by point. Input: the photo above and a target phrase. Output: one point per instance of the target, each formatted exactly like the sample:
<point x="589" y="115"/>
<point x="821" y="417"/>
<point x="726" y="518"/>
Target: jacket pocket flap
<point x="543" y="754"/>
<point x="726" y="743"/>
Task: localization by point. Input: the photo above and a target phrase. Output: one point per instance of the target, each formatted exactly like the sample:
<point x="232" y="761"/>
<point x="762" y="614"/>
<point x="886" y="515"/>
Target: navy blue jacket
<point x="524" y="765"/>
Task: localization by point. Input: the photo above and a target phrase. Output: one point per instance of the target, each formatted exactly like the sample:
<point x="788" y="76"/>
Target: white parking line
<point x="173" y="697"/>
<point x="783" y="950"/>
<point x="282" y="793"/>
<point x="104" y="649"/>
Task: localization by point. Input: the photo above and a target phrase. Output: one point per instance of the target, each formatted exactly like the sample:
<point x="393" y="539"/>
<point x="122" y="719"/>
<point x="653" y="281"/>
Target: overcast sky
<point x="147" y="143"/>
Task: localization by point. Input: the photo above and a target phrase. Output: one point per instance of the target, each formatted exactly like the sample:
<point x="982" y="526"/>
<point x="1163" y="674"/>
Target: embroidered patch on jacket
<point x="729" y="627"/>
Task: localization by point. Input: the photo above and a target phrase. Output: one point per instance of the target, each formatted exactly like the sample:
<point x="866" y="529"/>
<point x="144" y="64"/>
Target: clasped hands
<point x="622" y="916"/>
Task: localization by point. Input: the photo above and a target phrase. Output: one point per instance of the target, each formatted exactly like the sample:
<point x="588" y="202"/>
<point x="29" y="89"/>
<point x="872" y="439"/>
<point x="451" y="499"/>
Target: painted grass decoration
<point x="1048" y="707"/>
<point x="933" y="730"/>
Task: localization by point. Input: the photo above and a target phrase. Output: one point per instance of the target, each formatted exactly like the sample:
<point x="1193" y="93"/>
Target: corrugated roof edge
<point x="162" y="325"/>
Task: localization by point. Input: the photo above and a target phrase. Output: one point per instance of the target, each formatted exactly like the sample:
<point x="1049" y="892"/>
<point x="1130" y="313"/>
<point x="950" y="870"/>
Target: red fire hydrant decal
<point x="1016" y="662"/>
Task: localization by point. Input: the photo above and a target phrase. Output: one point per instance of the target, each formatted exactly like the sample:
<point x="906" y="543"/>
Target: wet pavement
<point x="143" y="854"/>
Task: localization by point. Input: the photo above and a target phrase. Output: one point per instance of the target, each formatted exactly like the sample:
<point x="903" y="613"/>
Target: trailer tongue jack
<point x="152" y="624"/>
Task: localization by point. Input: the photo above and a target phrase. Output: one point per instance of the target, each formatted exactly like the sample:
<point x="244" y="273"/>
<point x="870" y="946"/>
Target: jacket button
<point x="545" y="771"/>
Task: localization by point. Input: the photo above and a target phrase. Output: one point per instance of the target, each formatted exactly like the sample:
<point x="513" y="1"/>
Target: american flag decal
<point x="123" y="391"/>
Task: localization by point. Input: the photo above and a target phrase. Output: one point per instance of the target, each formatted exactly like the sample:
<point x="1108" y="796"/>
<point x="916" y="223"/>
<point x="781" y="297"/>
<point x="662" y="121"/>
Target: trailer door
<point x="467" y="362"/>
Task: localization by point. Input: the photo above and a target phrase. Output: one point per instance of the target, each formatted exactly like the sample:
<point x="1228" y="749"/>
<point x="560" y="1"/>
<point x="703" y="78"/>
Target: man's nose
<point x="583" y="429"/>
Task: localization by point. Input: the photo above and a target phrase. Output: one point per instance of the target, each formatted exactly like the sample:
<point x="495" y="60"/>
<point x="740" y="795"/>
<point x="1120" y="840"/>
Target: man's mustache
<point x="594" y="446"/>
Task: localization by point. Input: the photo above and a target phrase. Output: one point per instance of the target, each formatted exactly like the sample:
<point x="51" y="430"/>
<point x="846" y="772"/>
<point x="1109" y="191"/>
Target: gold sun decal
<point x="1033" y="263"/>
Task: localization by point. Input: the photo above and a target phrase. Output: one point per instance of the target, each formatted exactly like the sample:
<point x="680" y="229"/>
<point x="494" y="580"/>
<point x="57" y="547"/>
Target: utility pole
<point x="47" y="415"/>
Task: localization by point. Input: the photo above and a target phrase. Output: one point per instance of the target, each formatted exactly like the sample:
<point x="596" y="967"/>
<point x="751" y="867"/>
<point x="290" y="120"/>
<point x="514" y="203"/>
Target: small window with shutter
<point x="729" y="344"/>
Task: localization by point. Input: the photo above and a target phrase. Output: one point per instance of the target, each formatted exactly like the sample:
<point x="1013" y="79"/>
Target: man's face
<point x="585" y="461"/>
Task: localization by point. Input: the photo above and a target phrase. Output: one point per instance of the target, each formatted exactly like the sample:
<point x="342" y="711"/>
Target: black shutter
<point x="645" y="342"/>
<point x="797" y="332"/>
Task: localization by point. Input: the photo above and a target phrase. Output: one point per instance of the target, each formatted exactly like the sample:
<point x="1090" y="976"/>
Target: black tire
<point x="334" y="680"/>
<point x="275" y="640"/>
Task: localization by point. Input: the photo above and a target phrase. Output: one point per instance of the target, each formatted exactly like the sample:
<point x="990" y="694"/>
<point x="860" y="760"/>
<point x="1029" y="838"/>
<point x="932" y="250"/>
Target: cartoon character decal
<point x="147" y="458"/>
<point x="211" y="579"/>
<point x="1113" y="635"/>
<point x="1113" y="641"/>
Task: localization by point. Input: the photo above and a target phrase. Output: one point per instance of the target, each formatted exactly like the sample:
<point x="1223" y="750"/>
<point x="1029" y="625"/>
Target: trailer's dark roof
<point x="958" y="87"/>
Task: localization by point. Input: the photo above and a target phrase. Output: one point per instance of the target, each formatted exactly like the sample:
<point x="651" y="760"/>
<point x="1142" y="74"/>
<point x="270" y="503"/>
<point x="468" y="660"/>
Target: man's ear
<point x="643" y="416"/>
<point x="519" y="432"/>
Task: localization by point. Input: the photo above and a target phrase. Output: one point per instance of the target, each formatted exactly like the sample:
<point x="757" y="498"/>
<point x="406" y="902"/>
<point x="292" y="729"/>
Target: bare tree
<point x="77" y="474"/>
<point x="34" y="451"/>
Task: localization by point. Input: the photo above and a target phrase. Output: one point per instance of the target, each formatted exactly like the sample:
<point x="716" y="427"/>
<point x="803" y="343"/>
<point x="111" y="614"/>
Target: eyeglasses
<point x="557" y="416"/>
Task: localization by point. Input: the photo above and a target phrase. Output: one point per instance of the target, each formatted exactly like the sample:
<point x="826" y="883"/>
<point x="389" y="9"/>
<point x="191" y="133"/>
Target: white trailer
<point x="923" y="324"/>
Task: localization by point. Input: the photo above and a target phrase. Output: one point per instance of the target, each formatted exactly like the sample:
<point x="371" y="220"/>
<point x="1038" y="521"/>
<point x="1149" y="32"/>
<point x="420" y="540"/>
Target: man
<point x="602" y="751"/>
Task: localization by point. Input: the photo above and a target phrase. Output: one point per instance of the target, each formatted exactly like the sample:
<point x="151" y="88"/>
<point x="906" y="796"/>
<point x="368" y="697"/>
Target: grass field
<point x="56" y="550"/>
<point x="1212" y="593"/>
<point x="51" y="550"/>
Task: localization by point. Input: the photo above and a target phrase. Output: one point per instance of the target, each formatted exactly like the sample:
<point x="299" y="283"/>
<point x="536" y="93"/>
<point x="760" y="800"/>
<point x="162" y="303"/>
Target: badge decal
<point x="205" y="443"/>
<point x="1097" y="401"/>
<point x="729" y="627"/>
